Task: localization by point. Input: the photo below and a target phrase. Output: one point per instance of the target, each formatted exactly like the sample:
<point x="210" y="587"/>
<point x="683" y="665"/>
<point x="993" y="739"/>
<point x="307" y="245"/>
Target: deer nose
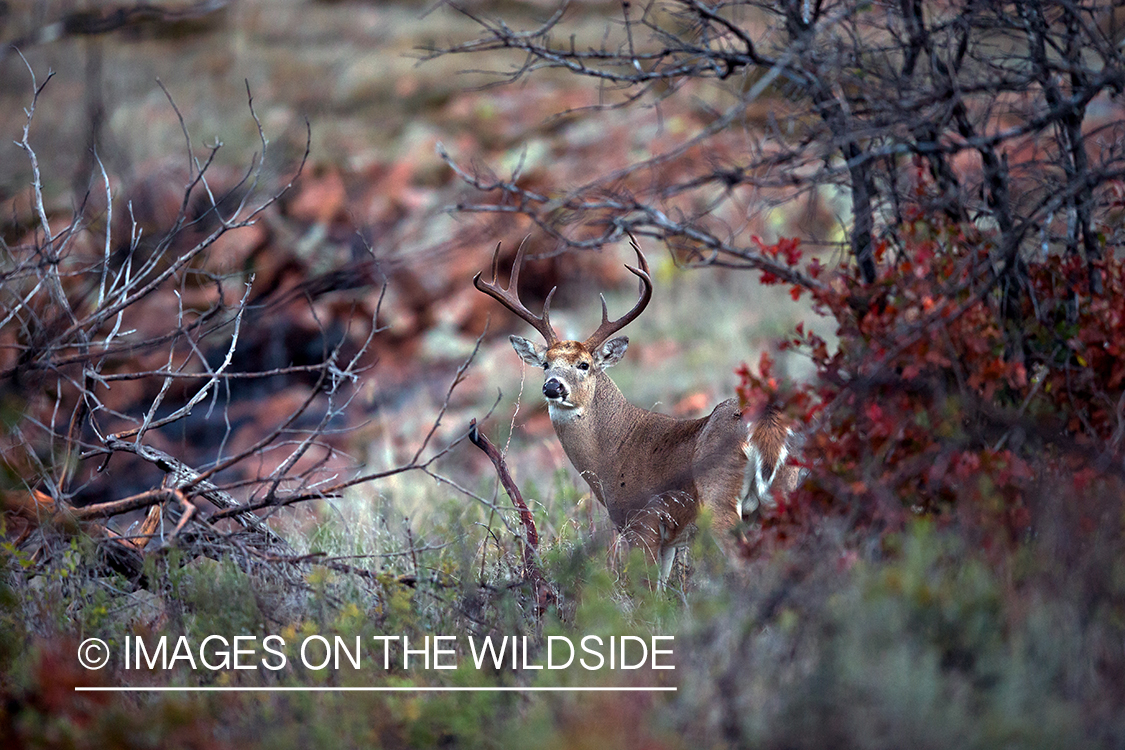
<point x="554" y="388"/>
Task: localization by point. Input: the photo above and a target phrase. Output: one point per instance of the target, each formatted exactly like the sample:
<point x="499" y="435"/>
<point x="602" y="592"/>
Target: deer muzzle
<point x="555" y="389"/>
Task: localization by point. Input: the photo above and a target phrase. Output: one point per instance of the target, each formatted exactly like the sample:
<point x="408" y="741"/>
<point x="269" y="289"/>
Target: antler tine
<point x="510" y="297"/>
<point x="607" y="327"/>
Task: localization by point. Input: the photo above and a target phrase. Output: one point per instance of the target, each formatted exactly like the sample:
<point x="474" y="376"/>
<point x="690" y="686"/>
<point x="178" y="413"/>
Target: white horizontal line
<point x="423" y="689"/>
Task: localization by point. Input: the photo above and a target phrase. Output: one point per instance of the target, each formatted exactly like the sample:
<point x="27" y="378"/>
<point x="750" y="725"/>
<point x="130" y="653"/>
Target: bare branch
<point x="859" y="95"/>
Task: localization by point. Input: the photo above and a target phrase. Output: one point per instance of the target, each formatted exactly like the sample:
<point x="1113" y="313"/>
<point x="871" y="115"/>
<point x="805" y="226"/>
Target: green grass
<point x="926" y="644"/>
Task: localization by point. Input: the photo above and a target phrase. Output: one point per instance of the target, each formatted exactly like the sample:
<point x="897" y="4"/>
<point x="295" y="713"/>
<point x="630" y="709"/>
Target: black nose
<point x="554" y="388"/>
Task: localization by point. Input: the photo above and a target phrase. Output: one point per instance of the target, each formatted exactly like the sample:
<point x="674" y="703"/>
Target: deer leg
<point x="657" y="527"/>
<point x="642" y="531"/>
<point x="723" y="502"/>
<point x="667" y="560"/>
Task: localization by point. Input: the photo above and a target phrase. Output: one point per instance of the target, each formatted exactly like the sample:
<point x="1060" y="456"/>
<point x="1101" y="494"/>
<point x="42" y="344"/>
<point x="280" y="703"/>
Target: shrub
<point x="939" y="399"/>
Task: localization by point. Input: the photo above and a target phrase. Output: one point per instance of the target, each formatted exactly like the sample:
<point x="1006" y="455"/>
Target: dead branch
<point x="982" y="113"/>
<point x="545" y="594"/>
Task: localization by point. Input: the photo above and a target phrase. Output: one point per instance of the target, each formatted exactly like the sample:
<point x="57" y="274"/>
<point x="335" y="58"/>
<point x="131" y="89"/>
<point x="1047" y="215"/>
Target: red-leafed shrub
<point x="957" y="388"/>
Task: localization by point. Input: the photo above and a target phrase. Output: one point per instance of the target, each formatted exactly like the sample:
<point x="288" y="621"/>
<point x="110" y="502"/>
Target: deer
<point x="652" y="472"/>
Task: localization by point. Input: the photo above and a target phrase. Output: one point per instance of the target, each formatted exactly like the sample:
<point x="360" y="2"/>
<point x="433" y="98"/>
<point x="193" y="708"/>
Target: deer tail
<point x="766" y="448"/>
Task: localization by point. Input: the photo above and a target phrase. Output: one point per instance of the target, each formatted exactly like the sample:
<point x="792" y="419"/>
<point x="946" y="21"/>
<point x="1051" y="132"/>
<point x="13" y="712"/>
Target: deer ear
<point x="611" y="352"/>
<point x="529" y="352"/>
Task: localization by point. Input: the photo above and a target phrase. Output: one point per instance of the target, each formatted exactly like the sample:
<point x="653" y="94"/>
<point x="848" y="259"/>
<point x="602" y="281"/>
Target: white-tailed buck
<point x="652" y="472"/>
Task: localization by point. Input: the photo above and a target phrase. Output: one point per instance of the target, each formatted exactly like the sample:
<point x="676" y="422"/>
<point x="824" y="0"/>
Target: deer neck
<point x="593" y="434"/>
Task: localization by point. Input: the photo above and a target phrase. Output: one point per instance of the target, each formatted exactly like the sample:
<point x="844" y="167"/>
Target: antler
<point x="607" y="327"/>
<point x="510" y="297"/>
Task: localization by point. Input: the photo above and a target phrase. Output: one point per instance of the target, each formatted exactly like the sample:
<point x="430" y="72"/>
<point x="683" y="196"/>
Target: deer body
<point x="652" y="472"/>
<point x="654" y="505"/>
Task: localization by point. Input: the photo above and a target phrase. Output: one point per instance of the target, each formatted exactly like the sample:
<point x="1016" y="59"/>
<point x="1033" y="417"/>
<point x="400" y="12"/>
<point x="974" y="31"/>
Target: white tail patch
<point x="766" y="449"/>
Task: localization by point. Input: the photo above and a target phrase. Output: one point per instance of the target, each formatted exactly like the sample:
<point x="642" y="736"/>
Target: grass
<point x="926" y="643"/>
<point x="910" y="639"/>
<point x="916" y="638"/>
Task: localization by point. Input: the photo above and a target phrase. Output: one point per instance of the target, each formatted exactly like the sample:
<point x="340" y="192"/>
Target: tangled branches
<point x="1011" y="108"/>
<point x="156" y="397"/>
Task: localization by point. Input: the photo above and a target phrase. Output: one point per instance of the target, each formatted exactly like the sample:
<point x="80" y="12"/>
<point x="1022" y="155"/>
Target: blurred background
<point x="374" y="200"/>
<point x="992" y="618"/>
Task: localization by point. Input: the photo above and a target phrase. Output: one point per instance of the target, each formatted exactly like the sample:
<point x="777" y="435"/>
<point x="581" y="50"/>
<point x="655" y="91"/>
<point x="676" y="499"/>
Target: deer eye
<point x="583" y="365"/>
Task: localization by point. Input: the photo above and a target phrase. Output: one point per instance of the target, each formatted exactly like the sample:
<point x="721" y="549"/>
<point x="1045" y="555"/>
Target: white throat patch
<point x="563" y="411"/>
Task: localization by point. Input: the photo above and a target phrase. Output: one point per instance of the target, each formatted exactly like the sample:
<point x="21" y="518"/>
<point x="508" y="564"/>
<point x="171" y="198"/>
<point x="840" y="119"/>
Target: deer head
<point x="571" y="368"/>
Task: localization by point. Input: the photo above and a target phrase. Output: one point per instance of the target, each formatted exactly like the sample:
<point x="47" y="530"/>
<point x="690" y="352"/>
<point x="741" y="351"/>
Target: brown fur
<point x="652" y="472"/>
<point x="767" y="451"/>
